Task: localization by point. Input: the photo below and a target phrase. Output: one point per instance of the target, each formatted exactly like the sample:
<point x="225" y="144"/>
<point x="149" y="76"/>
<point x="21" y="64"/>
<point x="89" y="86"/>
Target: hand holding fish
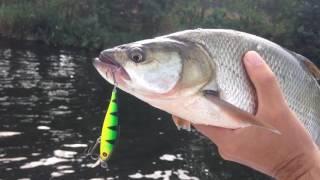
<point x="289" y="155"/>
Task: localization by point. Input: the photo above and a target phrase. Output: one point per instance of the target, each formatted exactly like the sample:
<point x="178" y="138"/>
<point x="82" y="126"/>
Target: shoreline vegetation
<point x="96" y="24"/>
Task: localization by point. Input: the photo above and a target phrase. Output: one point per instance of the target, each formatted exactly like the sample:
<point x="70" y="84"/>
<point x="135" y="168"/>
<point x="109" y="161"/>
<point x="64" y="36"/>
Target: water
<point x="52" y="103"/>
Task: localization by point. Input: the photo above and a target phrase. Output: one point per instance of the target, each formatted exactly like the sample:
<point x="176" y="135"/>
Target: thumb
<point x="265" y="82"/>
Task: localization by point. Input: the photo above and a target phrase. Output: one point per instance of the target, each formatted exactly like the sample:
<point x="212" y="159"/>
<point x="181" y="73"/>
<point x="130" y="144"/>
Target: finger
<point x="265" y="82"/>
<point x="216" y="134"/>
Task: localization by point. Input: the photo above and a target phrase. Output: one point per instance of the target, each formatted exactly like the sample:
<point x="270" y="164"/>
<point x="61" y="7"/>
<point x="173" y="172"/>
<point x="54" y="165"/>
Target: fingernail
<point x="252" y="58"/>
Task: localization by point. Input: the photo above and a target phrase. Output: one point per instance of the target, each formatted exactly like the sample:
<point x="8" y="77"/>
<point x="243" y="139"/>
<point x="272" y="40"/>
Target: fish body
<point x="171" y="73"/>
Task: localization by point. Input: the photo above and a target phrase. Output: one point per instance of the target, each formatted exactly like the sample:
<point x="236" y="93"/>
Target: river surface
<point x="52" y="104"/>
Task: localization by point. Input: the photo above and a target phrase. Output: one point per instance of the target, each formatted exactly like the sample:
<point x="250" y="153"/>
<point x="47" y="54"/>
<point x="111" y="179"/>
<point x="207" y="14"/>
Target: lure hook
<point x="104" y="164"/>
<point x="94" y="147"/>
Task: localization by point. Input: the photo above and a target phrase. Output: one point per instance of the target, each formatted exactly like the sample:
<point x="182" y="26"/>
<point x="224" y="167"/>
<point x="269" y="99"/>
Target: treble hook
<point x="94" y="156"/>
<point x="91" y="151"/>
<point x="104" y="164"/>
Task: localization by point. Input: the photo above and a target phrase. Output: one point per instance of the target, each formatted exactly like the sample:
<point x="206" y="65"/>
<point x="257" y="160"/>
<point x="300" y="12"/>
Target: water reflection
<point x="165" y="175"/>
<point x="52" y="104"/>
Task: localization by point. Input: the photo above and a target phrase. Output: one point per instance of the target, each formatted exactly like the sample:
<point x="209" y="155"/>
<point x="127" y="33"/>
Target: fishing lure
<point x="110" y="128"/>
<point x="109" y="132"/>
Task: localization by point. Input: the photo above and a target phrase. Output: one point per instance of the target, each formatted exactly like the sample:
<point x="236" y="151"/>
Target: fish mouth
<point x="109" y="61"/>
<point x="109" y="67"/>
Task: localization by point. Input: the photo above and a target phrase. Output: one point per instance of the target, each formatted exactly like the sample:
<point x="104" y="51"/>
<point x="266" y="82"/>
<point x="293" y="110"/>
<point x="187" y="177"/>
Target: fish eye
<point x="136" y="55"/>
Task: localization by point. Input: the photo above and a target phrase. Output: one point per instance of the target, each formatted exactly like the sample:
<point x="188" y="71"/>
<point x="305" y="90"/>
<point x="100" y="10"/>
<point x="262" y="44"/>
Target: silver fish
<point x="173" y="72"/>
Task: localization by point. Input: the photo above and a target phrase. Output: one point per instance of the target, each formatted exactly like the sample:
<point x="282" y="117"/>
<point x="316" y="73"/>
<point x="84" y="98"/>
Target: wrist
<point x="314" y="171"/>
<point x="300" y="167"/>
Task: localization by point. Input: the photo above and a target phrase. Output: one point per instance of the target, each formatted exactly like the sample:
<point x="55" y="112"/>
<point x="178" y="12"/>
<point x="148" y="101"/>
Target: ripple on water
<point x="44" y="162"/>
<point x="64" y="153"/>
<point x="75" y="145"/>
<point x="4" y="134"/>
<point x="164" y="175"/>
<point x="170" y="157"/>
<point x="7" y="53"/>
<point x="35" y="154"/>
<point x="61" y="173"/>
<point x="64" y="167"/>
<point x="43" y="127"/>
<point x="13" y="159"/>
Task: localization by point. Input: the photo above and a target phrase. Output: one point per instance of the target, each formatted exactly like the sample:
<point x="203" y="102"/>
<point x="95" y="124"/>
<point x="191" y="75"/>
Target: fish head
<point x="155" y="68"/>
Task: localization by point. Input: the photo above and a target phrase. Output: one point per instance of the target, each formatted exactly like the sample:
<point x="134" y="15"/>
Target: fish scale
<point x="299" y="87"/>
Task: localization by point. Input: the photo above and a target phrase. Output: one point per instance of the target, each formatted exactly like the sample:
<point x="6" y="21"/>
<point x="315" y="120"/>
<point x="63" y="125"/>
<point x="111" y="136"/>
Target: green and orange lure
<point x="109" y="132"/>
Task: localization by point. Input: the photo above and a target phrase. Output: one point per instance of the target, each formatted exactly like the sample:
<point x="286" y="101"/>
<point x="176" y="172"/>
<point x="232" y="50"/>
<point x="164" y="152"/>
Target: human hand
<point x="290" y="155"/>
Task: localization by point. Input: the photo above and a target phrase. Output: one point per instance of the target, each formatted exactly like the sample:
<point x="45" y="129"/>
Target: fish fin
<point x="181" y="123"/>
<point x="212" y="88"/>
<point x="212" y="93"/>
<point x="309" y="65"/>
<point x="232" y="112"/>
<point x="313" y="69"/>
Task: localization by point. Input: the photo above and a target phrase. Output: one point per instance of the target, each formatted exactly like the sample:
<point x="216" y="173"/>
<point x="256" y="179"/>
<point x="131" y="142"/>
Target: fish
<point x="198" y="76"/>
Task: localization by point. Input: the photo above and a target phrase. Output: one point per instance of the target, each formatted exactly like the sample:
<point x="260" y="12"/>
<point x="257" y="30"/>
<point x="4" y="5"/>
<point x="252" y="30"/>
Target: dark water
<point x="52" y="103"/>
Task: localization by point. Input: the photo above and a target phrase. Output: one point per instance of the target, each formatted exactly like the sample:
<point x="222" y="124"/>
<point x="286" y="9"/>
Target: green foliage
<point x="307" y="29"/>
<point x="101" y="23"/>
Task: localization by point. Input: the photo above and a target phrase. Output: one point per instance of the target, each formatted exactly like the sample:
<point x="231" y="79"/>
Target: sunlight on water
<point x="75" y="145"/>
<point x="43" y="128"/>
<point x="43" y="162"/>
<point x="9" y="160"/>
<point x="61" y="173"/>
<point x="64" y="167"/>
<point x="164" y="175"/>
<point x="64" y="154"/>
<point x="8" y="133"/>
<point x="170" y="157"/>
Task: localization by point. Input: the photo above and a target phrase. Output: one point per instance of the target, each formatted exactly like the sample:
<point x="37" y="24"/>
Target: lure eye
<point x="104" y="154"/>
<point x="136" y="55"/>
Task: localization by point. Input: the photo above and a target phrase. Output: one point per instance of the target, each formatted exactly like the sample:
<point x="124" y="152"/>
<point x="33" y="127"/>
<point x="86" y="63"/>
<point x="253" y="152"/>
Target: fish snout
<point x="108" y="65"/>
<point x="107" y="56"/>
